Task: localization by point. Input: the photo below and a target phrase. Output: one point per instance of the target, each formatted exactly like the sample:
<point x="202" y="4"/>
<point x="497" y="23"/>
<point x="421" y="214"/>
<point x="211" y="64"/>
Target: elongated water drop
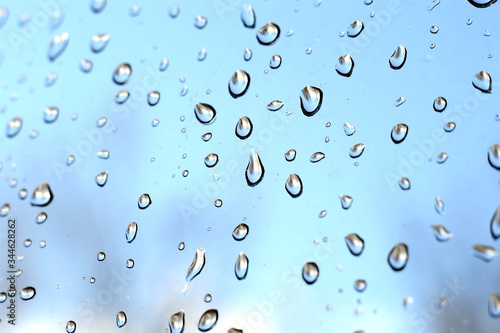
<point x="441" y="158"/>
<point x="58" y="45"/>
<point x="121" y="319"/>
<point x="195" y="268"/>
<point x="311" y="99"/>
<point x="131" y="232"/>
<point x="255" y="171"/>
<point x="345" y="65"/>
<point x="240" y="232"/>
<point x="399" y="101"/>
<point x="41" y="217"/>
<point x="355" y="28"/>
<point x="163" y="65"/>
<point x="441" y="233"/>
<point x="494" y="156"/>
<point x="494" y="305"/>
<point x="122" y="73"/>
<point x="208" y="320"/>
<point x="202" y="54"/>
<point x="239" y="83"/>
<point x="14" y="127"/>
<point x="176" y="322"/>
<point x="241" y="266"/>
<point x="482" y="81"/>
<point x="399" y="132"/>
<point x="205" y="113"/>
<point x="345" y="201"/>
<point x="248" y="16"/>
<point x="234" y="330"/>
<point x="101" y="178"/>
<point x="293" y="185"/>
<point x="174" y="10"/>
<point x="439" y="205"/>
<point x="104" y="154"/>
<point x="50" y="79"/>
<point x="349" y="129"/>
<point x="50" y="114"/>
<point x="144" y="201"/>
<point x="122" y="96"/>
<point x="484" y="252"/>
<point x="316" y="157"/>
<point x="310" y="272"/>
<point x="243" y="128"/>
<point x="404" y="183"/>
<point x="42" y="195"/>
<point x="247" y="55"/>
<point x="357" y="150"/>
<point x="398" y="257"/>
<point x="99" y="42"/>
<point x="495" y="224"/>
<point x="275" y="105"/>
<point x="398" y="58"/>
<point x="27" y="293"/>
<point x="434" y="29"/>
<point x="440" y="104"/>
<point x="268" y="34"/>
<point x="290" y="155"/>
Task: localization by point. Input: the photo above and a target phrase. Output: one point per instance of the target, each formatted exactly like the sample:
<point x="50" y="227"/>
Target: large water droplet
<point x="293" y="185"/>
<point x="243" y="128"/>
<point x="495" y="224"/>
<point x="121" y="319"/>
<point x="27" y="293"/>
<point x="208" y="320"/>
<point x="205" y="113"/>
<point x="356" y="150"/>
<point x="99" y="42"/>
<point x="290" y="155"/>
<point x="4" y="210"/>
<point x="176" y="322"/>
<point x="398" y="257"/>
<point x="494" y="156"/>
<point x="310" y="272"/>
<point x="398" y="58"/>
<point x="57" y="46"/>
<point x="360" y="285"/>
<point x="122" y="73"/>
<point x="42" y="195"/>
<point x="275" y="61"/>
<point x="440" y="104"/>
<point x="268" y="34"/>
<point x="482" y="81"/>
<point x="240" y="232"/>
<point x="248" y="16"/>
<point x="97" y="6"/>
<point x="441" y="233"/>
<point x="122" y="96"/>
<point x="41" y="217"/>
<point x="144" y="201"/>
<point x="200" y="22"/>
<point x="311" y="99"/>
<point x="241" y="266"/>
<point x="14" y="127"/>
<point x="255" y="171"/>
<point x="355" y="28"/>
<point x="211" y="160"/>
<point x="275" y="105"/>
<point x="484" y="252"/>
<point x="439" y="205"/>
<point x="494" y="305"/>
<point x="239" y="83"/>
<point x="345" y="65"/>
<point x="50" y="114"/>
<point x="349" y="129"/>
<point x="316" y="157"/>
<point x="153" y="98"/>
<point x="195" y="268"/>
<point x="482" y="3"/>
<point x="131" y="232"/>
<point x="101" y="178"/>
<point x="399" y="132"/>
<point x="71" y="326"/>
<point x="345" y="201"/>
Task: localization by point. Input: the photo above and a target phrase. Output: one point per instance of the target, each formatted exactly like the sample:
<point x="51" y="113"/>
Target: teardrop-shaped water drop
<point x="50" y="114"/>
<point x="42" y="195"/>
<point x="355" y="244"/>
<point x="121" y="319"/>
<point x="153" y="98"/>
<point x="441" y="233"/>
<point x="41" y="217"/>
<point x="4" y="210"/>
<point x="310" y="272"/>
<point x="349" y="129"/>
<point x="404" y="183"/>
<point x="208" y="320"/>
<point x="239" y="83"/>
<point x="163" y="64"/>
<point x="255" y="171"/>
<point x="268" y="34"/>
<point x="290" y="155"/>
<point x="86" y="65"/>
<point x="356" y="150"/>
<point x="355" y="28"/>
<point x="248" y="16"/>
<point x="360" y="285"/>
<point x="206" y="137"/>
<point x="247" y="55"/>
<point x="131" y="232"/>
<point x="58" y="45"/>
<point x="243" y="128"/>
<point x="195" y="268"/>
<point x="399" y="132"/>
<point x="494" y="305"/>
<point x="311" y="99"/>
<point x="275" y="105"/>
<point x="101" y="178"/>
<point x="441" y="158"/>
<point x="495" y="224"/>
<point x="70" y="326"/>
<point x="484" y="252"/>
<point x="205" y="113"/>
<point x="482" y="3"/>
<point x="200" y="22"/>
<point x="293" y="185"/>
<point x="398" y="58"/>
<point x="449" y="126"/>
<point x="345" y="201"/>
<point x="99" y="42"/>
<point x="398" y="257"/>
<point x="316" y="157"/>
<point x="241" y="266"/>
<point x="211" y="160"/>
<point x="275" y="61"/>
<point x="240" y="232"/>
<point x="482" y="81"/>
<point x="345" y="65"/>
<point x="144" y="201"/>
<point x="27" y="293"/>
<point x="97" y="6"/>
<point x="14" y="127"/>
<point x="176" y="322"/>
<point x="122" y="73"/>
<point x="439" y="205"/>
<point x="70" y="160"/>
<point x="122" y="96"/>
<point x="440" y="104"/>
<point x="494" y="156"/>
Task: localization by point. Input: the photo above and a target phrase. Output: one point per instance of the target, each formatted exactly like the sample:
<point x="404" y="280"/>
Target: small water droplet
<point x="121" y="319"/>
<point x="404" y="183"/>
<point x="316" y="157"/>
<point x="208" y="320"/>
<point x="174" y="11"/>
<point x="345" y="201"/>
<point x="432" y="46"/>
<point x="130" y="263"/>
<point x="484" y="252"/>
<point x="311" y="99"/>
<point x="70" y="160"/>
<point x="469" y="21"/>
<point x="398" y="257"/>
<point x="399" y="133"/>
<point x="239" y="83"/>
<point x="135" y="10"/>
<point x="482" y="82"/>
<point x="275" y="61"/>
<point x="4" y="15"/>
<point x="309" y="50"/>
<point x="399" y="101"/>
<point x="42" y="195"/>
<point x="495" y="224"/>
<point x="122" y="73"/>
<point x="355" y="29"/>
<point x="86" y="65"/>
<point x="41" y="217"/>
<point x="101" y="178"/>
<point x="398" y="58"/>
<point x="4" y="210"/>
<point x="23" y="193"/>
<point x="247" y="55"/>
<point x="487" y="33"/>
<point x="275" y="105"/>
<point x="202" y="54"/>
<point x="99" y="42"/>
<point x="440" y="104"/>
<point x="195" y="268"/>
<point x="322" y="214"/>
<point x="248" y="16"/>
<point x="50" y="114"/>
<point x="345" y="65"/>
<point x="144" y="201"/>
<point x="433" y="4"/>
<point x="101" y="256"/>
<point x="360" y="285"/>
<point x="243" y="128"/>
<point x="206" y="137"/>
<point x="441" y="233"/>
<point x="101" y="122"/>
<point x="200" y="22"/>
<point x="310" y="272"/>
<point x="14" y="127"/>
<point x="97" y="6"/>
<point x="349" y="129"/>
<point x="494" y="305"/>
<point x="71" y="326"/>
<point x="356" y="150"/>
<point x="494" y="156"/>
<point x="104" y="154"/>
<point x="441" y="158"/>
<point x="268" y="34"/>
<point x="185" y="173"/>
<point x="290" y="155"/>
<point x="176" y="322"/>
<point x="218" y="203"/>
<point x="434" y="29"/>
<point x="122" y="96"/>
<point x="207" y="298"/>
<point x="407" y="302"/>
<point x="205" y="113"/>
<point x="241" y="266"/>
<point x="92" y="279"/>
<point x="449" y="127"/>
<point x="342" y="33"/>
<point x="181" y="246"/>
<point x="439" y="205"/>
<point x="58" y="45"/>
<point x="27" y="293"/>
<point x="131" y="232"/>
<point x="293" y="185"/>
<point x="211" y="160"/>
<point x="50" y="79"/>
<point x="255" y="171"/>
<point x="153" y="98"/>
<point x="240" y="232"/>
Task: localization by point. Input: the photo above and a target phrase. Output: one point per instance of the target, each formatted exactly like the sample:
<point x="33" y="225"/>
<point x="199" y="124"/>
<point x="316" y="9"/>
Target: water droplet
<point x="200" y="22"/>
<point x="58" y="45"/>
<point x="441" y="233"/>
<point x="130" y="263"/>
<point x="404" y="183"/>
<point x="211" y="160"/>
<point x="202" y="54"/>
<point x="4" y="210"/>
<point x="206" y="137"/>
<point x="104" y="154"/>
<point x="342" y="33"/>
<point x="86" y="65"/>
<point x="398" y="257"/>
<point x="101" y="256"/>
<point x="144" y="201"/>
<point x="487" y="33"/>
<point x="255" y="171"/>
<point x="121" y="319"/>
<point x="432" y="46"/>
<point x="99" y="42"/>
<point x="482" y="81"/>
<point x="360" y="285"/>
<point x="185" y="173"/>
<point x="322" y="214"/>
<point x="439" y="205"/>
<point x="4" y="15"/>
<point x="268" y="34"/>
<point x="398" y="58"/>
<point x="176" y="322"/>
<point x="309" y="50"/>
<point x="243" y="128"/>
<point x="433" y="4"/>
<point x="101" y="178"/>
<point x="345" y="65"/>
<point x="50" y="79"/>
<point x="316" y="157"/>
<point x="208" y="320"/>
<point x="495" y="224"/>
<point x="174" y="11"/>
<point x="310" y="272"/>
<point x="248" y="16"/>
<point x="345" y="201"/>
<point x="484" y="252"/>
<point x="23" y="193"/>
<point x="275" y="61"/>
<point x="239" y="83"/>
<point x="153" y="98"/>
<point x="289" y="33"/>
<point x="357" y="150"/>
<point x="3" y="297"/>
<point x="247" y="55"/>
<point x="131" y="232"/>
<point x="205" y="113"/>
<point x="195" y="268"/>
<point x="449" y="127"/>
<point x="50" y="114"/>
<point x="434" y="29"/>
<point x="122" y="96"/>
<point x="27" y="293"/>
<point x="218" y="203"/>
<point x="290" y="155"/>
<point x="293" y="185"/>
<point x="92" y="279"/>
<point x="122" y="73"/>
<point x="41" y="217"/>
<point x="135" y="10"/>
<point x="355" y="29"/>
<point x="42" y="195"/>
<point x="207" y="298"/>
<point x="399" y="101"/>
<point x="241" y="266"/>
<point x="440" y="104"/>
<point x="97" y="6"/>
<point x="349" y="129"/>
<point x="328" y="124"/>
<point x="70" y="160"/>
<point x="101" y="122"/>
<point x="494" y="305"/>
<point x="399" y="132"/>
<point x="469" y="21"/>
<point x="311" y="99"/>
<point x="240" y="232"/>
<point x="275" y="105"/>
<point x="27" y="242"/>
<point x="43" y="244"/>
<point x="494" y="156"/>
<point x="14" y="127"/>
<point x="71" y="326"/>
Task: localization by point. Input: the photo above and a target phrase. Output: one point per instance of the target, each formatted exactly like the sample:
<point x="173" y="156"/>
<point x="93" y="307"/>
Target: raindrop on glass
<point x="345" y="65"/>
<point x="153" y="98"/>
<point x="42" y="195"/>
<point x="255" y="171"/>
<point x="316" y="157"/>
<point x="211" y="160"/>
<point x="200" y="22"/>
<point x="144" y="201"/>
<point x="131" y="232"/>
<point x="404" y="183"/>
<point x="398" y="58"/>
<point x="355" y="29"/>
<point x="482" y="81"/>
<point x="86" y="65"/>
<point x="50" y="114"/>
<point x="241" y="266"/>
<point x="290" y="155"/>
<point x="440" y="104"/>
<point x="275" y="61"/>
<point x="239" y="83"/>
<point x="208" y="320"/>
<point x="356" y="150"/>
<point x="310" y="272"/>
<point x="14" y="127"/>
<point x="121" y="319"/>
<point x="439" y="205"/>
<point x="122" y="73"/>
<point x="57" y="46"/>
<point x="99" y="42"/>
<point x="494" y="156"/>
<point x="268" y="34"/>
<point x="293" y="185"/>
<point x="275" y="105"/>
<point x="484" y="252"/>
<point x="398" y="257"/>
<point x="27" y="293"/>
<point x="240" y="232"/>
<point x="41" y="217"/>
<point x="101" y="256"/>
<point x="360" y="285"/>
<point x="101" y="178"/>
<point x="247" y="55"/>
<point x="441" y="233"/>
<point x="176" y="322"/>
<point x="311" y="99"/>
<point x="205" y="113"/>
<point x="71" y="326"/>
<point x="248" y="16"/>
<point x="399" y="132"/>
